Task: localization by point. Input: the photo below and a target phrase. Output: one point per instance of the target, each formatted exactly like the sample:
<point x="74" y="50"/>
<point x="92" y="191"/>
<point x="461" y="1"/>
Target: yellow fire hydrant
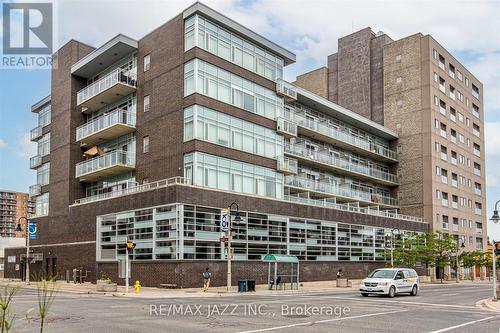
<point x="137" y="287"/>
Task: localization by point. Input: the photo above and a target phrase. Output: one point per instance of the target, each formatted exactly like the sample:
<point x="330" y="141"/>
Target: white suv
<point x="390" y="281"/>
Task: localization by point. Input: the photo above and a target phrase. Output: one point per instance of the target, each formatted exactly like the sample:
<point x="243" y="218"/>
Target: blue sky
<point x="469" y="29"/>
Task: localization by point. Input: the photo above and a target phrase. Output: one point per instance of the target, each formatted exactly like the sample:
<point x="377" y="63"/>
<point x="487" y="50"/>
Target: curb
<point x="486" y="305"/>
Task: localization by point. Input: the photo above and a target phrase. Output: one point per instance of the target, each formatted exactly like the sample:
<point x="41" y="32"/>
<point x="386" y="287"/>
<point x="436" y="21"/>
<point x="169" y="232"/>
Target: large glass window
<point x="42" y="174"/>
<point x="225" y="174"/>
<point x="44" y="116"/>
<point x="44" y="145"/>
<point x="217" y="40"/>
<point x="207" y="79"/>
<point x="42" y="204"/>
<point x="208" y="125"/>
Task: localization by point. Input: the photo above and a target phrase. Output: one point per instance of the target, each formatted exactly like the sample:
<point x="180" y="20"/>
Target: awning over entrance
<point x="279" y="258"/>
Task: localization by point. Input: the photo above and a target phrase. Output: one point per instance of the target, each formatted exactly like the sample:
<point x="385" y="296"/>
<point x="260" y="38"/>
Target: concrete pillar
<point x="483" y="272"/>
<point x="473" y="273"/>
<point x="460" y="272"/>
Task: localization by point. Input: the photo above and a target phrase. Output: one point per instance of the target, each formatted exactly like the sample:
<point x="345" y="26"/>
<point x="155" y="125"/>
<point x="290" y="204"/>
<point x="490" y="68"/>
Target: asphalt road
<point x="448" y="308"/>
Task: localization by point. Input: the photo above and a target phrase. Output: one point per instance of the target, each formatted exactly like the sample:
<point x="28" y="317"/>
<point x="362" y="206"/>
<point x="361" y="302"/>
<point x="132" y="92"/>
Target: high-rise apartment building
<point x="149" y="139"/>
<point x="435" y="105"/>
<point x="13" y="206"/>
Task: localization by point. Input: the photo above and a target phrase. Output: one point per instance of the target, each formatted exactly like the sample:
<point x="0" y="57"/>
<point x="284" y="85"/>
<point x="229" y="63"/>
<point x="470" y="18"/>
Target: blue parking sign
<point x="32" y="229"/>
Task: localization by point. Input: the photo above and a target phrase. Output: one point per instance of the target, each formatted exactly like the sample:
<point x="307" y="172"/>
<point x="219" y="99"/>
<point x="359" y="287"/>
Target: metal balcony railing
<point x="301" y="150"/>
<point x="333" y="132"/>
<point x="35" y="190"/>
<point x="35" y="161"/>
<point x="117" y="76"/>
<point x="111" y="159"/>
<point x="346" y="190"/>
<point x="116" y="117"/>
<point x="286" y="89"/>
<point x="287" y="165"/>
<point x="286" y="127"/>
<point x="36" y="133"/>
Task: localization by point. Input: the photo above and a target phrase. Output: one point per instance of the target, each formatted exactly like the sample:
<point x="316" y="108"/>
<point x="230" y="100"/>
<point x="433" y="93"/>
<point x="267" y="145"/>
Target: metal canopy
<point x="279" y="258"/>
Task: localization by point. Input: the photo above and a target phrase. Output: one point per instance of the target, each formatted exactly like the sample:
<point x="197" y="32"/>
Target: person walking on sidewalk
<point x="206" y="279"/>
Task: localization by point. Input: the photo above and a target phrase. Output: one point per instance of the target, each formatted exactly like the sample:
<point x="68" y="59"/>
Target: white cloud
<point x="3" y="144"/>
<point x="486" y="68"/>
<point x="25" y="148"/>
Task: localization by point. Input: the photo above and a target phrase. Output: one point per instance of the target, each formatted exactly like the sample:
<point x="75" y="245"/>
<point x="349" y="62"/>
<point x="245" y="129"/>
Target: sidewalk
<point x="489" y="304"/>
<point x="152" y="292"/>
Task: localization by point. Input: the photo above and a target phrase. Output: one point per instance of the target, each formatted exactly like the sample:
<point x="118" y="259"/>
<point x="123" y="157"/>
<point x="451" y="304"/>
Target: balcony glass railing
<point x="442" y="88"/>
<point x="287" y="165"/>
<point x="477" y="172"/>
<point x="117" y="76"/>
<point x="475" y="112"/>
<point x="476" y="132"/>
<point x="114" y="158"/>
<point x="35" y="190"/>
<point x="36" y="132"/>
<point x="118" y="116"/>
<point x="35" y="161"/>
<point x="346" y="190"/>
<point x="479" y="231"/>
<point x="478" y="211"/>
<point x="477" y="152"/>
<point x="475" y="94"/>
<point x="328" y="130"/>
<point x="286" y="89"/>
<point x="285" y="126"/>
<point x="477" y="191"/>
<point x="323" y="157"/>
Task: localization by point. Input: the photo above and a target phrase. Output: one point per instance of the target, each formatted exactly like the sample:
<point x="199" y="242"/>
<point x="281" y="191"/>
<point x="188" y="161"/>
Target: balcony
<point x="444" y="202"/>
<point x="109" y="164"/>
<point x="287" y="165"/>
<point x="106" y="90"/>
<point x="479" y="231"/>
<point x="35" y="161"/>
<point x="286" y="127"/>
<point x="323" y="131"/>
<point x="35" y="190"/>
<point x="323" y="160"/>
<point x="477" y="191"/>
<point x="286" y="90"/>
<point x="478" y="211"/>
<point x="477" y="152"/>
<point x="442" y="88"/>
<point x="36" y="133"/>
<point x="475" y="93"/>
<point x="476" y="132"/>
<point x="454" y="204"/>
<point x="475" y="112"/>
<point x="477" y="172"/>
<point x="442" y="110"/>
<point x="444" y="179"/>
<point x="345" y="192"/>
<point x="109" y="126"/>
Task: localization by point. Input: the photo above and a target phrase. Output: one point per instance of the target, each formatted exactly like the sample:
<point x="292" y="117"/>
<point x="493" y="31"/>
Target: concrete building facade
<point x="435" y="105"/>
<point x="149" y="139"/>
<point x="14" y="206"/>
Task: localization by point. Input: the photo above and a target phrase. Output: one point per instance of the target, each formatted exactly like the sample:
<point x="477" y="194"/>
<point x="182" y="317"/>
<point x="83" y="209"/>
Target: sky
<point x="470" y="30"/>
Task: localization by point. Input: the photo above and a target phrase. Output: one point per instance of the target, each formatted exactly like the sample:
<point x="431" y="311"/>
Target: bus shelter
<point x="286" y="271"/>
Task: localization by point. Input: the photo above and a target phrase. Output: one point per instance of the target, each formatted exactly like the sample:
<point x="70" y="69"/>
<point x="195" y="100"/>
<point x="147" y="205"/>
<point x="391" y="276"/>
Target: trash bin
<point x="251" y="285"/>
<point x="242" y="286"/>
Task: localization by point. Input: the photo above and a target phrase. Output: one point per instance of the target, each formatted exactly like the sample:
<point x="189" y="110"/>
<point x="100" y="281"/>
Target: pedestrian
<point x="206" y="279"/>
<point x="339" y="273"/>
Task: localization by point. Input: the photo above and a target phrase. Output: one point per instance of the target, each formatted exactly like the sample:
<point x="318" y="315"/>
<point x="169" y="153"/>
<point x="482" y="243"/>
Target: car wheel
<point x="364" y="294"/>
<point x="414" y="290"/>
<point x="392" y="292"/>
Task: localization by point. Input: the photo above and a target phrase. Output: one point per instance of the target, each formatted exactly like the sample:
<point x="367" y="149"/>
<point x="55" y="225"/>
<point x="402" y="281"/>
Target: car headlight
<point x="382" y="283"/>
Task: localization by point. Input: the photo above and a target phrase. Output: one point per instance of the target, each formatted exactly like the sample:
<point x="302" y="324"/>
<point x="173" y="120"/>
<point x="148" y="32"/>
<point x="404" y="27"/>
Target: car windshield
<point x="382" y="274"/>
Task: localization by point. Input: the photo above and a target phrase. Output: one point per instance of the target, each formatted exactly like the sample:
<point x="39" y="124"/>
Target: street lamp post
<point x="237" y="218"/>
<point x="460" y="244"/>
<point x="19" y="228"/>
<point x="495" y="218"/>
<point x="396" y="232"/>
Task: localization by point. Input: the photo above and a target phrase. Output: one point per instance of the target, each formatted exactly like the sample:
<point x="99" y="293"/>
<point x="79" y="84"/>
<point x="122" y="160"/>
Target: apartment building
<point x="435" y="105"/>
<point x="14" y="206"/>
<point x="149" y="139"/>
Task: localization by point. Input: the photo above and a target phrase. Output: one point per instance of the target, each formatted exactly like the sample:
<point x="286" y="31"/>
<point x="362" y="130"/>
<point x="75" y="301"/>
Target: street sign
<point x="224" y="219"/>
<point x="33" y="228"/>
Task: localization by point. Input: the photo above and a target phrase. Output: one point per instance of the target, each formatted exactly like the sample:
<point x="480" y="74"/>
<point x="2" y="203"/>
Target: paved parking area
<point x="447" y="308"/>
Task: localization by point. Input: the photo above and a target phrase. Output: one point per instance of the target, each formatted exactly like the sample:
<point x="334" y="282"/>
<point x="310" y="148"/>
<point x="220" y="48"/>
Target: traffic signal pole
<point x="126" y="270"/>
<point x="495" y="296"/>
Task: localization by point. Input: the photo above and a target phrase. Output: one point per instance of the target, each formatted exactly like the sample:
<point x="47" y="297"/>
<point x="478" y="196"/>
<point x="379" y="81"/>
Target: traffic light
<point x="130" y="245"/>
<point x="387" y="241"/>
<point x="496" y="248"/>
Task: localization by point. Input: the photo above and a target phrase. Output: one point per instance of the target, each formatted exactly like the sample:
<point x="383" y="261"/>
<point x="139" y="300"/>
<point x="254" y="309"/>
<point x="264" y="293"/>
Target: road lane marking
<point x="403" y="302"/>
<point x="461" y="325"/>
<point x="321" y="321"/>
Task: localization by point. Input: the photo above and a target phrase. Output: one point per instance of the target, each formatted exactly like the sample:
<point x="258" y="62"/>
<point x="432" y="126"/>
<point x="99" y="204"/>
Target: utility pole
<point x="237" y="218"/>
<point x="495" y="296"/>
